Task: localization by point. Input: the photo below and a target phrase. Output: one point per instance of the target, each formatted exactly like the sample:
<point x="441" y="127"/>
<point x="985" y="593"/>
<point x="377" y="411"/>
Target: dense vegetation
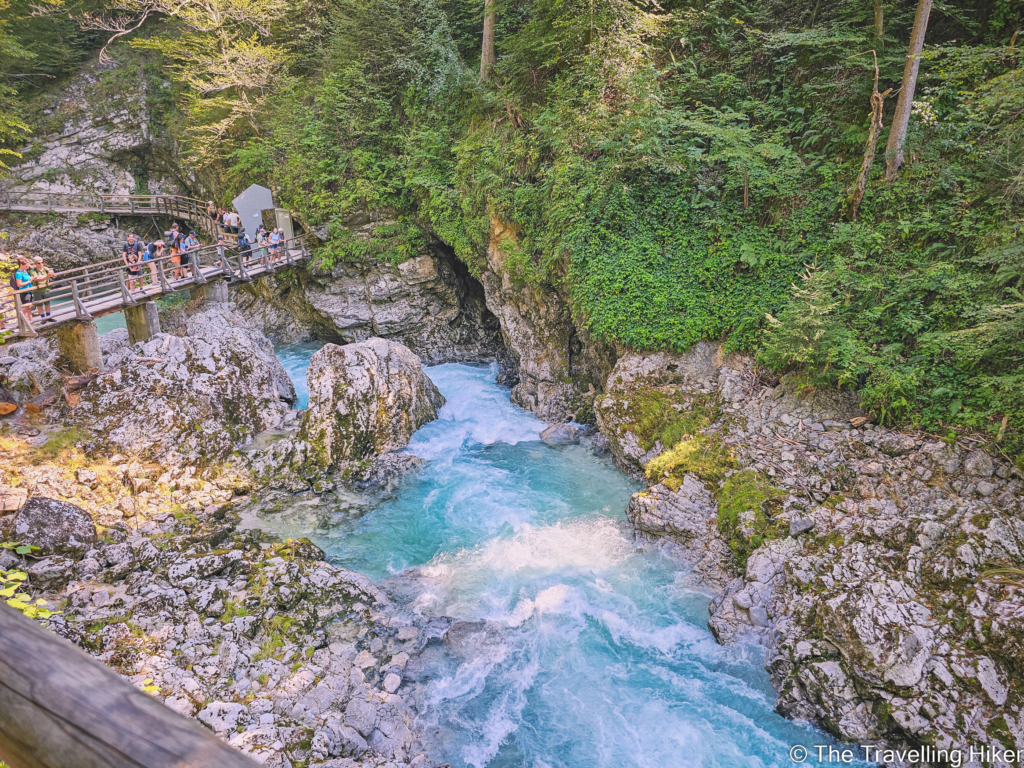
<point x="680" y="170"/>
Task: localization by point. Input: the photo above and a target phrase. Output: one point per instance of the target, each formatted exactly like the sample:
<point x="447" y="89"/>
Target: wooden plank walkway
<point x="173" y="206"/>
<point x="85" y="293"/>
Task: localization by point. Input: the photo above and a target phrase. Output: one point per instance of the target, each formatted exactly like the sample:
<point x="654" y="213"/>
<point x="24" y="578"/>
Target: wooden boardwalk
<point x="89" y="292"/>
<point x="173" y="206"/>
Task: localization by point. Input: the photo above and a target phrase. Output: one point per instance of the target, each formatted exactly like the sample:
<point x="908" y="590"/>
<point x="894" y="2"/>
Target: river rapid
<point x="585" y="650"/>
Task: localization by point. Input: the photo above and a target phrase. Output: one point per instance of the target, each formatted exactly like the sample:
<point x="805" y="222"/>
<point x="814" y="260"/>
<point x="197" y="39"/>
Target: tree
<point x="877" y="102"/>
<point x="900" y="121"/>
<point x="879" y="19"/>
<point x="487" y="55"/>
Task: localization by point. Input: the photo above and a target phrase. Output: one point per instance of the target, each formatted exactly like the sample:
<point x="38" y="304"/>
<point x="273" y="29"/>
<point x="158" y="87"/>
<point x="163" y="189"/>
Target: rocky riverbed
<point x="859" y="558"/>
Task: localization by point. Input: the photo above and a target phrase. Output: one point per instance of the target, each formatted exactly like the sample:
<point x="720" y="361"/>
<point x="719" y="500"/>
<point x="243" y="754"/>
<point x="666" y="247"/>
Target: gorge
<point x="602" y="427"/>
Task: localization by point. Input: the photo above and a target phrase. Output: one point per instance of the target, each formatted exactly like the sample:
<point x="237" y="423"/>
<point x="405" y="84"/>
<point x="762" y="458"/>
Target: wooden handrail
<point x="60" y="708"/>
<point x="84" y="292"/>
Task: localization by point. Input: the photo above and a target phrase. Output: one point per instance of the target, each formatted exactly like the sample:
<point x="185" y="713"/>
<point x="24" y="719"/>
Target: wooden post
<point x="162" y="273"/>
<point x="126" y="297"/>
<point x="24" y="325"/>
<point x="59" y="708"/>
<point x="80" y="311"/>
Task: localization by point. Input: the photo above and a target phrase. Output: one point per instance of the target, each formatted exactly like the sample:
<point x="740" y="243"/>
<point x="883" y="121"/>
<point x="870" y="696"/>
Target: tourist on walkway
<point x="154" y="251"/>
<point x="41" y="277"/>
<point x="275" y="244"/>
<point x="189" y="245"/>
<point x="177" y="271"/>
<point x="21" y="280"/>
<point x="212" y="212"/>
<point x="244" y="246"/>
<point x="131" y="257"/>
<point x="261" y="241"/>
<point x="232" y="222"/>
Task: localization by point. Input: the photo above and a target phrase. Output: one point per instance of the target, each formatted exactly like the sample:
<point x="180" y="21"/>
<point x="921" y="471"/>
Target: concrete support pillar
<point x="79" y="344"/>
<point x="143" y="321"/>
<point x="215" y="292"/>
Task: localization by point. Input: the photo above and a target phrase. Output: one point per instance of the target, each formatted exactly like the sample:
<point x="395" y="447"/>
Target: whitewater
<point x="584" y="649"/>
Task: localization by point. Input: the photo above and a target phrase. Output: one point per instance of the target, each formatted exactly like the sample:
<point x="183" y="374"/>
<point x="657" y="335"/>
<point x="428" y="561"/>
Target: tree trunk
<point x="487" y="57"/>
<point x="879" y="19"/>
<point x="877" y="102"/>
<point x="900" y="121"/>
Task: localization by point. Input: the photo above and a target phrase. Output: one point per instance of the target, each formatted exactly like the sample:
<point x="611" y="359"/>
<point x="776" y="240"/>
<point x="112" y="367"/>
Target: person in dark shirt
<point x="132" y="258"/>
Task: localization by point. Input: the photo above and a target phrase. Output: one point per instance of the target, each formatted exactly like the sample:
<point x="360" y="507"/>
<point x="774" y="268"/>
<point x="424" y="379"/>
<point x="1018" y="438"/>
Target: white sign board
<point x="249" y="205"/>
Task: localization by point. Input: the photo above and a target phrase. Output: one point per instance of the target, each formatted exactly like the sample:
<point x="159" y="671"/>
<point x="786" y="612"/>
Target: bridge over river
<point x="77" y="296"/>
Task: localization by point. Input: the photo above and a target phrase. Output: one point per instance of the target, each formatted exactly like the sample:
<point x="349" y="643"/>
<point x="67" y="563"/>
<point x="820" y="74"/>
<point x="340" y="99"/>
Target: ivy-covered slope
<point x="680" y="170"/>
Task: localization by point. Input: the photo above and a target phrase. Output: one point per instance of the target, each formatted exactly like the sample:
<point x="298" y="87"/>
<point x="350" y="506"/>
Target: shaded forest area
<point x="680" y="170"/>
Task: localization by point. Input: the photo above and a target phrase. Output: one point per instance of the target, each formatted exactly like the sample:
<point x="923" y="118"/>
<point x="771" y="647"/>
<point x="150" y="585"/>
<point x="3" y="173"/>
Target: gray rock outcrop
<point x="429" y="303"/>
<point x="365" y="400"/>
<point x="859" y="556"/>
<point x="197" y="397"/>
<point x="559" y="369"/>
<point x="55" y="527"/>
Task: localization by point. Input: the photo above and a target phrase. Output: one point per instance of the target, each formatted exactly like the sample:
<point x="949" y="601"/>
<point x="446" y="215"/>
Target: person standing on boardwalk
<point x="131" y="257"/>
<point x="21" y="280"/>
<point x="188" y="246"/>
<point x="41" y="277"/>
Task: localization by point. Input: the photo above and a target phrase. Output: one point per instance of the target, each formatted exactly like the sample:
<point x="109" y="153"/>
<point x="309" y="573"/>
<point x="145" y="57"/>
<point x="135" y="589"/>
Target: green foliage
<point x="677" y="171"/>
<point x="668" y="417"/>
<point x="61" y="441"/>
<point x="12" y="586"/>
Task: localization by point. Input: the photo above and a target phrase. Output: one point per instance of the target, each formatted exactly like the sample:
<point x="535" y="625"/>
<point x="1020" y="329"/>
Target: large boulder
<point x="56" y="527"/>
<point x="197" y="397"/>
<point x="365" y="400"/>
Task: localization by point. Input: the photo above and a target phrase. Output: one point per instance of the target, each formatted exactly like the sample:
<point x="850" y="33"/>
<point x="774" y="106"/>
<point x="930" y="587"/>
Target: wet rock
<point x="560" y="434"/>
<point x="56" y="527"/>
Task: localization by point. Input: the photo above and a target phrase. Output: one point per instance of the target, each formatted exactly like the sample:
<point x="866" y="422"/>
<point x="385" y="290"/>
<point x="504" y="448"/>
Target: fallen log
<point x="59" y="708"/>
<point x="75" y="383"/>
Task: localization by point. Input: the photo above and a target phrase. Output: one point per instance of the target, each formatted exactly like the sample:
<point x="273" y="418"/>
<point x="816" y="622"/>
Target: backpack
<point x="14" y="280"/>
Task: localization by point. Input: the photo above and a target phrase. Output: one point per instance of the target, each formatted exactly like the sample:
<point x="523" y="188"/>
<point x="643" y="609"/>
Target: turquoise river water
<point x="598" y="653"/>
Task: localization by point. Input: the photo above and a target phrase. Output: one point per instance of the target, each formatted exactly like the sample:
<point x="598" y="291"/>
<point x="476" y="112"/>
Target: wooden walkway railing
<point x="174" y="206"/>
<point x="59" y="708"/>
<point x="87" y="292"/>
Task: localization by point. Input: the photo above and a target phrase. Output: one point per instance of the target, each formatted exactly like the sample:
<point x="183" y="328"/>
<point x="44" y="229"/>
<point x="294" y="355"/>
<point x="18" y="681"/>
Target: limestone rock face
<point x="640" y="386"/>
<point x="56" y="527"/>
<point x="428" y="303"/>
<point x="689" y="517"/>
<point x="365" y="400"/>
<point x="99" y="141"/>
<point x="198" y="396"/>
<point x="558" y="369"/>
<point x="858" y="556"/>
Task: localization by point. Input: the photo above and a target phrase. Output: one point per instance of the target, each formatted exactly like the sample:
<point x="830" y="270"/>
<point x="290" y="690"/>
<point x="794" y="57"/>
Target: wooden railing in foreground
<point x="59" y="708"/>
<point x="84" y="293"/>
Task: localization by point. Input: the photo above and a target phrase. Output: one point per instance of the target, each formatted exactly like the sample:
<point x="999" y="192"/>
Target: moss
<point x="703" y="456"/>
<point x="669" y="417"/>
<point x="61" y="444"/>
<point x="747" y="491"/>
<point x="981" y="520"/>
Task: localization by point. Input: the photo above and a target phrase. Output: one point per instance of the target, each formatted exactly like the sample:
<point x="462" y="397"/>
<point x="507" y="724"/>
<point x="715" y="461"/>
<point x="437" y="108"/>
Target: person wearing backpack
<point x="21" y="280"/>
